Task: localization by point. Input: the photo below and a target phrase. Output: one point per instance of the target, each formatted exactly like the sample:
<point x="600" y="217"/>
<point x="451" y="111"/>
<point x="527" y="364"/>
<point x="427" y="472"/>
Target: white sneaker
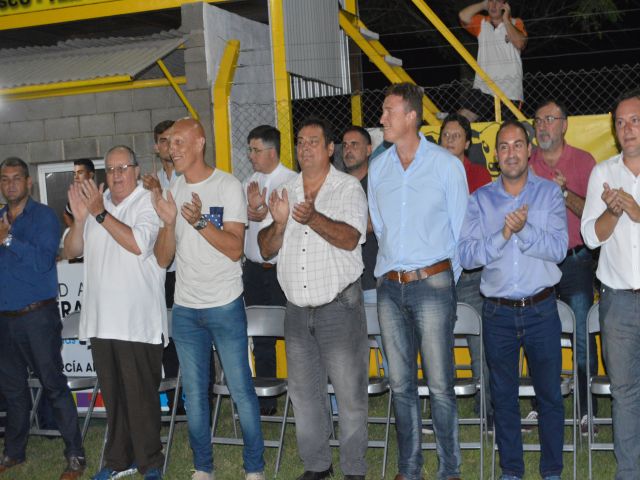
<point x="200" y="475"/>
<point x="584" y="427"/>
<point x="254" y="476"/>
<point x="532" y="415"/>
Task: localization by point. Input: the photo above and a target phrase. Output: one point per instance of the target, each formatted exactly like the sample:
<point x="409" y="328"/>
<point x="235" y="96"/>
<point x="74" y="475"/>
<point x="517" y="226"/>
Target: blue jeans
<point x="468" y="291"/>
<point x="620" y="324"/>
<point x="329" y="340"/>
<point x="576" y="290"/>
<point x="538" y="329"/>
<point x="194" y="331"/>
<point x="420" y="316"/>
<point x="33" y="340"/>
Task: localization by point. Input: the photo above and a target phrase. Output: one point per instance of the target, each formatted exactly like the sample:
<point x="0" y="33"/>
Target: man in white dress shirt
<point x="260" y="277"/>
<point x="611" y="220"/>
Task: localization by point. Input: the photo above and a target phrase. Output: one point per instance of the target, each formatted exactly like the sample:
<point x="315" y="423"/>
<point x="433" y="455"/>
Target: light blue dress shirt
<point x="417" y="213"/>
<point x="527" y="262"/>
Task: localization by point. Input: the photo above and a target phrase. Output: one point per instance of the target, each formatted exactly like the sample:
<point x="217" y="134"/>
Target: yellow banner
<point x="592" y="133"/>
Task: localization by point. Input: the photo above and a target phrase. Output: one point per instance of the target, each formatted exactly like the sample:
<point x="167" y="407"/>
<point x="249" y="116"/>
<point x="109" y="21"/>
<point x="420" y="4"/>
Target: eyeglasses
<point x="121" y="169"/>
<point x="547" y="120"/>
<point x="452" y="135"/>
<point x="251" y="150"/>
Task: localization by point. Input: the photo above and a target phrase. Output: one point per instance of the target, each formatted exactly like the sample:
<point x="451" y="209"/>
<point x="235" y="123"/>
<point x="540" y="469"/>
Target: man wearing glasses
<point x="501" y="38"/>
<point x="123" y="311"/>
<point x="570" y="168"/>
<point x="260" y="278"/>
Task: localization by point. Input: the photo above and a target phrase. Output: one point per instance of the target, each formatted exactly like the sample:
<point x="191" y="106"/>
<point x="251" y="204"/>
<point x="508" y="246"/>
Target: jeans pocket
<point x="350" y="297"/>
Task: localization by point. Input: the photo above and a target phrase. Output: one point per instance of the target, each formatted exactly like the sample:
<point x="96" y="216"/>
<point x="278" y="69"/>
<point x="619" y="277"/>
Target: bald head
<point x="186" y="146"/>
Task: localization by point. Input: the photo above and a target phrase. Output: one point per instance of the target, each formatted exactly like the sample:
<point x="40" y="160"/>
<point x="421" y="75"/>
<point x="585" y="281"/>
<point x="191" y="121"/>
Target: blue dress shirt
<point x="28" y="267"/>
<point x="527" y="262"/>
<point x="417" y="213"/>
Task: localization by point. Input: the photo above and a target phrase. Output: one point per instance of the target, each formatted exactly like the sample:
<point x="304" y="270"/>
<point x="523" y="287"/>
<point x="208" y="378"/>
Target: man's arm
<point x="229" y="241"/>
<point x="550" y="240"/>
<point x="466" y="14"/>
<point x="39" y="253"/>
<point x="74" y="241"/>
<point x="517" y="37"/>
<point x="165" y="246"/>
<point x="92" y="196"/>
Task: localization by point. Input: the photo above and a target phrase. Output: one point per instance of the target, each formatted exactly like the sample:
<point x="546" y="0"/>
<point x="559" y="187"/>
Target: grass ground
<point x="45" y="457"/>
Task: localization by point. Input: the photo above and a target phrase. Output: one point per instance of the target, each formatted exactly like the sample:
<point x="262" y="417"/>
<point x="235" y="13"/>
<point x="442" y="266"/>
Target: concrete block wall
<point x="59" y="129"/>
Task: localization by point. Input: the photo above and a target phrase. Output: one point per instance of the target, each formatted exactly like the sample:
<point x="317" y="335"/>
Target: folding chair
<point x="467" y="323"/>
<point x="596" y="385"/>
<point x="377" y="385"/>
<point x="262" y="321"/>
<point x="567" y="383"/>
<point x="70" y="327"/>
<point x="166" y="384"/>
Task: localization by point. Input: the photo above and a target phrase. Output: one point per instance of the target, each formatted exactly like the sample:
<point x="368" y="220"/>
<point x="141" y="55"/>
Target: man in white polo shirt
<point x="123" y="312"/>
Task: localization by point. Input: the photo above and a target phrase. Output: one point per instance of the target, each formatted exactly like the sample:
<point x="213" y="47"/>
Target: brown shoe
<point x="75" y="468"/>
<point x="7" y="462"/>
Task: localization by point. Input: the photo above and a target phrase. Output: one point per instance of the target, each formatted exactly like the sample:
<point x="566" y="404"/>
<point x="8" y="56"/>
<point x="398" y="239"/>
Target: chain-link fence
<point x="584" y="92"/>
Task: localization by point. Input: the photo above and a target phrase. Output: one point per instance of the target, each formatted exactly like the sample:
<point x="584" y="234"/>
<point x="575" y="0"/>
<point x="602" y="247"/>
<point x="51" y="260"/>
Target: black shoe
<point x="268" y="411"/>
<point x="7" y="462"/>
<point x="354" y="477"/>
<point x="309" y="475"/>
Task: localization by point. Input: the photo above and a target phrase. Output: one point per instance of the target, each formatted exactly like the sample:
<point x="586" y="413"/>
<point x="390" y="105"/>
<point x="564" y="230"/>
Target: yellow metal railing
<point x="221" y="94"/>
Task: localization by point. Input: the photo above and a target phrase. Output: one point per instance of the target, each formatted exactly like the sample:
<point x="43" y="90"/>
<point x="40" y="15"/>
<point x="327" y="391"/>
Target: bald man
<point x="207" y="238"/>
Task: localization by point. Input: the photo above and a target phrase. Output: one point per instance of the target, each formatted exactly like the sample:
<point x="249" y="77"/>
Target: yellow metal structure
<point x="464" y="53"/>
<point x="96" y="85"/>
<point x="177" y="89"/>
<point x="48" y="12"/>
<point x="376" y="52"/>
<point x="282" y="84"/>
<point x="356" y="109"/>
<point x="221" y="94"/>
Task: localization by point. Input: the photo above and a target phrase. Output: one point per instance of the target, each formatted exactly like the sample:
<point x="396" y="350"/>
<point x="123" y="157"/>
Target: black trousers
<point x="261" y="287"/>
<point x="129" y="375"/>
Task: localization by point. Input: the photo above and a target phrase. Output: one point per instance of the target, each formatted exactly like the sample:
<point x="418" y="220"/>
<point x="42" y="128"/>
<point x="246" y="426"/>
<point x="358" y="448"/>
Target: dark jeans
<point x="506" y="329"/>
<point x="576" y="290"/>
<point x="33" y="341"/>
<point x="261" y="287"/>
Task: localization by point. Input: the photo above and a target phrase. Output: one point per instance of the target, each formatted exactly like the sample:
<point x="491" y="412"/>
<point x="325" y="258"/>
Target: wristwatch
<point x="201" y="223"/>
<point x="101" y="216"/>
<point x="565" y="193"/>
<point x="7" y="241"/>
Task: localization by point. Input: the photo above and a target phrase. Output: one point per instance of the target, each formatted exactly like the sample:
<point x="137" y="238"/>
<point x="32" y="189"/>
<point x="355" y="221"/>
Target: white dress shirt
<point x="619" y="264"/>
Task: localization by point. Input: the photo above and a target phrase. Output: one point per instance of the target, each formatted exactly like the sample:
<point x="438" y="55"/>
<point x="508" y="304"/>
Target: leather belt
<point x="29" y="308"/>
<point x="632" y="290"/>
<point x="419" y="274"/>
<point x="523" y="302"/>
<point x="575" y="250"/>
<point x="267" y="265"/>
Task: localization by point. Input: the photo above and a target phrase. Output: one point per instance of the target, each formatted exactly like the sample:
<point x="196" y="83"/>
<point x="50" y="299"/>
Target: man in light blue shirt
<point x="417" y="199"/>
<point x="516" y="228"/>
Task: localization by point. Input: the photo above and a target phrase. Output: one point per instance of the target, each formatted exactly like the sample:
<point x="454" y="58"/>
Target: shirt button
<point x="306" y="233"/>
<point x="304" y="249"/>
<point x="304" y="286"/>
<point x="303" y="268"/>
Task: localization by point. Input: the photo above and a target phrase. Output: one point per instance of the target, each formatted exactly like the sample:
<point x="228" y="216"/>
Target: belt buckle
<point x="522" y="302"/>
<point x="400" y="273"/>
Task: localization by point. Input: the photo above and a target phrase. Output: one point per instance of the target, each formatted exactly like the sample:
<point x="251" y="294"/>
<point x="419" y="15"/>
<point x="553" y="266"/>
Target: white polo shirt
<point x="123" y="296"/>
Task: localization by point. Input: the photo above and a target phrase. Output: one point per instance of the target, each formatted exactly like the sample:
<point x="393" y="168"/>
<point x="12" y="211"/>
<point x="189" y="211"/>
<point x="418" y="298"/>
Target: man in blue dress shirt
<point x="417" y="199"/>
<point x="29" y="320"/>
<point x="516" y="228"/>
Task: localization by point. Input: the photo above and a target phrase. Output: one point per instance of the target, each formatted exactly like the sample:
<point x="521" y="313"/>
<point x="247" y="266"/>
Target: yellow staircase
<point x="390" y="66"/>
